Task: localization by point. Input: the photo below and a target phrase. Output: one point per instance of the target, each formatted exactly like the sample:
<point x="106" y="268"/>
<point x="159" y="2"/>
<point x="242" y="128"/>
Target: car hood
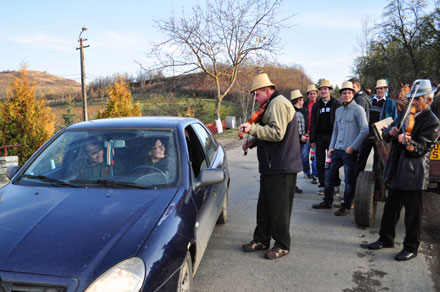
<point x="67" y="231"/>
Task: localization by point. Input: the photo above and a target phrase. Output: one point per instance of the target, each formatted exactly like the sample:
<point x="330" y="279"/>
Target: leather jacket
<point x="409" y="170"/>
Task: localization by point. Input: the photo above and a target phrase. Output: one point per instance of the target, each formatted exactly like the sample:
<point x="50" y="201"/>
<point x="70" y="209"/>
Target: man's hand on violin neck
<point x="245" y="128"/>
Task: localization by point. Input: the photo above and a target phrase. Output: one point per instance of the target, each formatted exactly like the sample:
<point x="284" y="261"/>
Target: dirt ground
<point x="430" y="225"/>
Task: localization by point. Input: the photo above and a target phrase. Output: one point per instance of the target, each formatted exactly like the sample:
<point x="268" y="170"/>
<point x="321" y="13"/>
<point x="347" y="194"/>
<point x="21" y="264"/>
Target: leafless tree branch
<point x="217" y="38"/>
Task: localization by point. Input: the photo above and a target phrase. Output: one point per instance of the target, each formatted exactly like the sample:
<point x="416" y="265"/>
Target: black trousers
<point x="274" y="209"/>
<point x="364" y="152"/>
<point x="413" y="203"/>
<point x="322" y="144"/>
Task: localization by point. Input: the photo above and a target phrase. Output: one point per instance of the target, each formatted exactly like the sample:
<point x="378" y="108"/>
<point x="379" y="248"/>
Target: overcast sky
<point x="44" y="35"/>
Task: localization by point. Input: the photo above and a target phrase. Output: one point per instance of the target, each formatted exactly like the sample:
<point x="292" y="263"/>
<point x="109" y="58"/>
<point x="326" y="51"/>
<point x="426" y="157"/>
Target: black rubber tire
<point x="364" y="204"/>
<point x="223" y="217"/>
<point x="185" y="283"/>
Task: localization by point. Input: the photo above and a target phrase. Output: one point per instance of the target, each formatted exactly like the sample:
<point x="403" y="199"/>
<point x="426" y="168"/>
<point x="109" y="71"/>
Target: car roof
<point x="134" y="122"/>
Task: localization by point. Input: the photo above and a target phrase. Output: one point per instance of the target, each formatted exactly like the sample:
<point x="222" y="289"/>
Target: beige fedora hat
<point x="261" y="81"/>
<point x="347" y="85"/>
<point x="381" y="83"/>
<point x="311" y="87"/>
<point x="325" y="83"/>
<point x="295" y="94"/>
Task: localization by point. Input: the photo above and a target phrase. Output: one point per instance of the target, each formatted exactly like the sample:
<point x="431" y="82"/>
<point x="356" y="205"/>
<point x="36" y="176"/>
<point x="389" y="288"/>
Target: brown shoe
<point x="276" y="252"/>
<point x="254" y="246"/>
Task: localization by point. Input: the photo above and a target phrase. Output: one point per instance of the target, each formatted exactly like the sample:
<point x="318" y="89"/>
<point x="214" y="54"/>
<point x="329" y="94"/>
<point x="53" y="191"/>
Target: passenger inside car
<point x="93" y="165"/>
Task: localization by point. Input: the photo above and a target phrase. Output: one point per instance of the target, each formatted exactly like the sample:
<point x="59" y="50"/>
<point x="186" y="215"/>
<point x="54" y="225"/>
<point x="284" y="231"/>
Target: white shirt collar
<point x="378" y="99"/>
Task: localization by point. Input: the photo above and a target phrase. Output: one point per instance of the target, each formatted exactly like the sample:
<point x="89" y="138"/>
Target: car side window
<point x="206" y="140"/>
<point x="195" y="151"/>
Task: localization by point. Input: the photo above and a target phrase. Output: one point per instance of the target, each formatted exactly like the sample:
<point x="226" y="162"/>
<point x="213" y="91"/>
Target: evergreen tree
<point x="24" y="119"/>
<point x="69" y="116"/>
<point x="120" y="102"/>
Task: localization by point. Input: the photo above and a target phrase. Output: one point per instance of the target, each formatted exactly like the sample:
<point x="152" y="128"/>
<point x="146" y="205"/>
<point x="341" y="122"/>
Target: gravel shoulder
<point x="229" y="139"/>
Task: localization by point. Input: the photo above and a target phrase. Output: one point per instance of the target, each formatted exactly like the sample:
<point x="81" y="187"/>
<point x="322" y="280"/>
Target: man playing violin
<point x="279" y="157"/>
<point x="412" y="136"/>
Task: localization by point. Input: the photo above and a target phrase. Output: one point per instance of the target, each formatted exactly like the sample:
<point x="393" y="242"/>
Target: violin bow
<point x="408" y="107"/>
<point x="247" y="137"/>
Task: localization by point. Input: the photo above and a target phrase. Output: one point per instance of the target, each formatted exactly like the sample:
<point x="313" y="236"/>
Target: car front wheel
<point x="223" y="217"/>
<point x="186" y="275"/>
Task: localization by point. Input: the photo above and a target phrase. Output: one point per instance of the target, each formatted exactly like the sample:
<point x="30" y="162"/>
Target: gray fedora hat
<point x="425" y="88"/>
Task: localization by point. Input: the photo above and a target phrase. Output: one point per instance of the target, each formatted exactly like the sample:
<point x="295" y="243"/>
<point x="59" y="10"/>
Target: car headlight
<point x="127" y="276"/>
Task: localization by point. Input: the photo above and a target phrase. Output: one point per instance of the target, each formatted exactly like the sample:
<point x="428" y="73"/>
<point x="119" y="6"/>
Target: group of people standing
<point x="320" y="135"/>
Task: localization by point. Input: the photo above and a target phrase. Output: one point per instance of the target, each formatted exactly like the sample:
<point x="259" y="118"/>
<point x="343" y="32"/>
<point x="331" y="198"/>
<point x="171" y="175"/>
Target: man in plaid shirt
<point x="297" y="100"/>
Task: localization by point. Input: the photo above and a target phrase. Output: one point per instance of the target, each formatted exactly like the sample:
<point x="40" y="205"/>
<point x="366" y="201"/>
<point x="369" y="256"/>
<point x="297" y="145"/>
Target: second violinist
<point x="279" y="160"/>
<point x="407" y="172"/>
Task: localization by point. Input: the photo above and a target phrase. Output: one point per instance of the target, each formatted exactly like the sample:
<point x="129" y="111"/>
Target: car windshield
<point x="134" y="158"/>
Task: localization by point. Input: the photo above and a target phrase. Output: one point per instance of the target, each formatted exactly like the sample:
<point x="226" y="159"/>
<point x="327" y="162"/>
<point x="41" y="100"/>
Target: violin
<point x="255" y="117"/>
<point x="409" y="116"/>
<point x="410" y="126"/>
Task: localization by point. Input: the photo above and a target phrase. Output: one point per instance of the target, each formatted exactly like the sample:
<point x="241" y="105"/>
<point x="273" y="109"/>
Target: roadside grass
<point x="202" y="109"/>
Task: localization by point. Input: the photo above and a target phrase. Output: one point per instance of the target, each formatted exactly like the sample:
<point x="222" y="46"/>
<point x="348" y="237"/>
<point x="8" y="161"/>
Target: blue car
<point x="125" y="204"/>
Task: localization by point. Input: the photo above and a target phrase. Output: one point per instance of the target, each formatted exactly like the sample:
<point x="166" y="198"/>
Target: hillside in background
<point x="153" y="93"/>
<point x="51" y="85"/>
<point x="286" y="79"/>
<point x="58" y="88"/>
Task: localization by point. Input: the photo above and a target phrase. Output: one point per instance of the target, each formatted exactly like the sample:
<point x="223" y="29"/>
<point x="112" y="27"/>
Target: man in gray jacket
<point x="349" y="131"/>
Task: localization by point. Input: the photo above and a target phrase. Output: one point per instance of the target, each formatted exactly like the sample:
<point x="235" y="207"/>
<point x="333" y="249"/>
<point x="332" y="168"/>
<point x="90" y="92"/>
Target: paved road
<point x="325" y="253"/>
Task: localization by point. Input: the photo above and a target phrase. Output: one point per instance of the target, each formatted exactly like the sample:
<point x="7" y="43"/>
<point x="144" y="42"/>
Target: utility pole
<point x="83" y="75"/>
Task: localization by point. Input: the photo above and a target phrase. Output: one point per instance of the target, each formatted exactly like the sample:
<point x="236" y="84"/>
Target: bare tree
<point x="366" y="39"/>
<point x="403" y="25"/>
<point x="216" y="40"/>
<point x="366" y="43"/>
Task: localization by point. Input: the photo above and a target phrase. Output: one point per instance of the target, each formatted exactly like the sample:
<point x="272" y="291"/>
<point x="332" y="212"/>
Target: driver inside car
<point x="94" y="166"/>
<point x="156" y="155"/>
<point x="155" y="159"/>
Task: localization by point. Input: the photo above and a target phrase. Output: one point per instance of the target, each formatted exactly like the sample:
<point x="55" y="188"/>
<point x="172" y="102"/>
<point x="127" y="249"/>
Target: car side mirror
<point x="209" y="176"/>
<point x="11" y="171"/>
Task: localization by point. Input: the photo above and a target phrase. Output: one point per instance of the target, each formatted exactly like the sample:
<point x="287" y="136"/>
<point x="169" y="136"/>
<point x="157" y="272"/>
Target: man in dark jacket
<point x="407" y="171"/>
<point x="279" y="161"/>
<point x="381" y="107"/>
<point x="361" y="97"/>
<point x="321" y="127"/>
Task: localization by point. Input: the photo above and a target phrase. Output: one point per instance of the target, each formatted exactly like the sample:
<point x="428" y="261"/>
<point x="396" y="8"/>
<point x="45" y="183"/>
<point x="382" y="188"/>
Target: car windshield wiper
<point x="49" y="179"/>
<point x="109" y="183"/>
